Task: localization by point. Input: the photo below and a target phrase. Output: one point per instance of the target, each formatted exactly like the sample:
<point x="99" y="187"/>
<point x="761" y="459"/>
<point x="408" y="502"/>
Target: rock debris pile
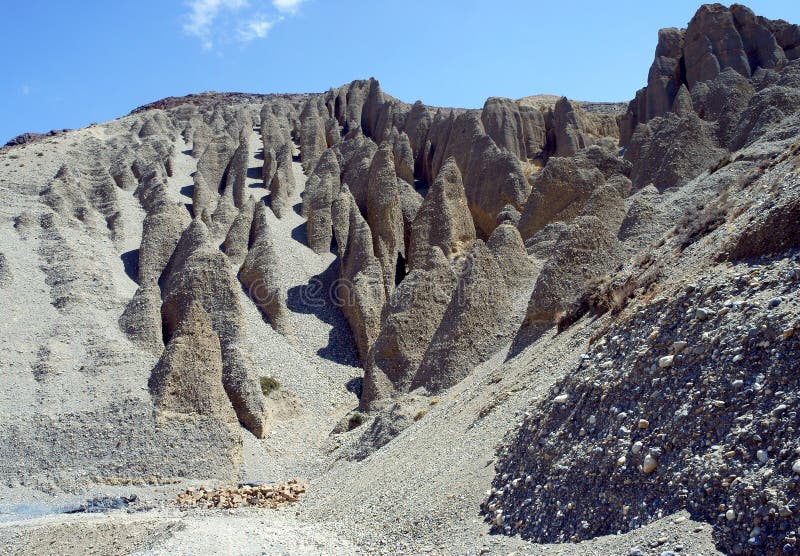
<point x="256" y="496"/>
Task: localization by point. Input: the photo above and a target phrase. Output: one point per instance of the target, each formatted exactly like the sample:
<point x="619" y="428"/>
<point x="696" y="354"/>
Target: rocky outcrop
<point x="188" y="378"/>
<point x="608" y="205"/>
<point x="222" y="219"/>
<point x="153" y="157"/>
<point x="410" y="202"/>
<point x="213" y="163"/>
<point x="403" y="155"/>
<point x="507" y="246"/>
<point x="161" y="231"/>
<point x="535" y="132"/>
<point x="478" y="320"/>
<point x="444" y="219"/>
<point x="569" y="138"/>
<point x="237" y="241"/>
<point x="260" y="274"/>
<point x="493" y="177"/>
<point x="559" y="192"/>
<point x="141" y="319"/>
<point x="413" y="314"/>
<point x="361" y="292"/>
<point x="282" y="185"/>
<point x="312" y="136"/>
<point x="65" y="196"/>
<point x="671" y="150"/>
<point x="236" y="176"/>
<point x="357" y="153"/>
<point x="204" y="199"/>
<point x="333" y="132"/>
<point x="778" y="99"/>
<point x="387" y="424"/>
<point x="384" y="214"/>
<point x="771" y="231"/>
<point x="273" y="137"/>
<point x="637" y="226"/>
<point x="574" y="129"/>
<point x="199" y="272"/>
<point x="584" y="249"/>
<point x="716" y="39"/>
<point x="418" y="123"/>
<point x="503" y="123"/>
<point x="120" y="169"/>
<point x="340" y="219"/>
<point x="320" y="189"/>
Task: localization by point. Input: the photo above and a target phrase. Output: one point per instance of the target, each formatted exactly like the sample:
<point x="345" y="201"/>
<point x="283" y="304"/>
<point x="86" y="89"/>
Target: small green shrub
<point x="268" y="385"/>
<point x="355" y="420"/>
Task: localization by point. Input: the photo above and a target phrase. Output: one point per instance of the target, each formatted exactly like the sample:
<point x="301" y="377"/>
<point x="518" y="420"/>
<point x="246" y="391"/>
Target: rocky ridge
<point x="445" y="251"/>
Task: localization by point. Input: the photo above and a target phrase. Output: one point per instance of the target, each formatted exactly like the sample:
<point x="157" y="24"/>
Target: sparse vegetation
<point x="702" y="220"/>
<point x="269" y="385"/>
<point x="356" y="419"/>
<point x="721" y="163"/>
<point x="434" y="400"/>
<point x="420" y="414"/>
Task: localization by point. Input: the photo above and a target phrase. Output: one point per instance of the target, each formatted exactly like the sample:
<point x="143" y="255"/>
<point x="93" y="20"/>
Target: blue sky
<point x="67" y="64"/>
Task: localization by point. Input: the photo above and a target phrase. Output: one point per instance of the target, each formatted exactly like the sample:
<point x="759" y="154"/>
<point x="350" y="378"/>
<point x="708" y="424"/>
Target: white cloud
<point x="287" y="6"/>
<point x="202" y="14"/>
<point x="257" y="29"/>
<point x="226" y="21"/>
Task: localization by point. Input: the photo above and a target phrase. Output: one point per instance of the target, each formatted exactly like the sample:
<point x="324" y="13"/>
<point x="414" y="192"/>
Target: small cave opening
<point x="400" y="269"/>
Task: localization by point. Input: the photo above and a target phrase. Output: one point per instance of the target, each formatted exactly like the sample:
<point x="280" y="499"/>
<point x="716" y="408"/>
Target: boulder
<point x="509" y="215"/>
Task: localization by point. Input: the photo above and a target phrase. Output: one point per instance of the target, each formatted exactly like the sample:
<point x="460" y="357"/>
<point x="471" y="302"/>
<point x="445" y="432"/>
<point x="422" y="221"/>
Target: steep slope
<point x="373" y="296"/>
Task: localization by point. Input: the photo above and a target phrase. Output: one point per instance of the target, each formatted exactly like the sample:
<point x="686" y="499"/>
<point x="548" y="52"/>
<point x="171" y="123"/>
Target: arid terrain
<point x="338" y="323"/>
